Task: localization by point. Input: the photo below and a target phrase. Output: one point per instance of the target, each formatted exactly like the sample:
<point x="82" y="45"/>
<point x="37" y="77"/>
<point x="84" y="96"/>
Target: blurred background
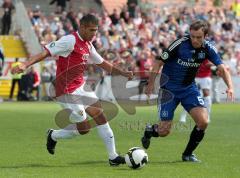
<point x="131" y="33"/>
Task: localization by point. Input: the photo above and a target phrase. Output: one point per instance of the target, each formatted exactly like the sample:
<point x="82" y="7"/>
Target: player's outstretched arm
<point x="223" y="72"/>
<point x="156" y="66"/>
<point x="32" y="60"/>
<point x="115" y="70"/>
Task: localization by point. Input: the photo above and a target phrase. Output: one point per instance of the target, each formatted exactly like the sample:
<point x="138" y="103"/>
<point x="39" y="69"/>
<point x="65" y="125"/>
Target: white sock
<point x="183" y="116"/>
<point x="66" y="133"/>
<point x="208" y="104"/>
<point x="106" y="134"/>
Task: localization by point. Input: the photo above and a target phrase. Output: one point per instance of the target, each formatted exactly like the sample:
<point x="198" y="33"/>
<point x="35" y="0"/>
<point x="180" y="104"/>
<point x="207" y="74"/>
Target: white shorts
<point x="204" y="83"/>
<point x="77" y="102"/>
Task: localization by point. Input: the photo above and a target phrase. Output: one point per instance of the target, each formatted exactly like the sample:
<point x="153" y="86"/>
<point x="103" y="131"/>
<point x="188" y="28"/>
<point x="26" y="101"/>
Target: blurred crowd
<point x="134" y="35"/>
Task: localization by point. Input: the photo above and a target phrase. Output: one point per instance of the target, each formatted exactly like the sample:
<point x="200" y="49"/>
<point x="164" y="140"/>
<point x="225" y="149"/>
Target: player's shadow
<point x="166" y="162"/>
<point x="152" y="163"/>
<point x="53" y="166"/>
<point x="126" y="168"/>
<point x="88" y="162"/>
<point x="31" y="166"/>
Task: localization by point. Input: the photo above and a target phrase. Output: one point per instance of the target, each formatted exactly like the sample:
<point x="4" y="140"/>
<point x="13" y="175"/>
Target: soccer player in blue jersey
<point x="180" y="62"/>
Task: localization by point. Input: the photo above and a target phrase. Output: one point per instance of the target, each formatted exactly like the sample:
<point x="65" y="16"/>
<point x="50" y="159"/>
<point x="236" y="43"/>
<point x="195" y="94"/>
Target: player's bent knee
<point x="96" y="112"/>
<point x="100" y="119"/>
<point x="83" y="132"/>
<point x="203" y="124"/>
<point x="83" y="127"/>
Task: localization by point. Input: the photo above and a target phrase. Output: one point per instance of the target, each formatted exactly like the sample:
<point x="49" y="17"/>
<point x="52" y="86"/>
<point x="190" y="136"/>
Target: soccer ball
<point x="136" y="158"/>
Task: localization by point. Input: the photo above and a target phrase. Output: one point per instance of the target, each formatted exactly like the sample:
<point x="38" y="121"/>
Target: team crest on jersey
<point x="201" y="55"/>
<point x="80" y="113"/>
<point x="85" y="56"/>
<point x="164" y="55"/>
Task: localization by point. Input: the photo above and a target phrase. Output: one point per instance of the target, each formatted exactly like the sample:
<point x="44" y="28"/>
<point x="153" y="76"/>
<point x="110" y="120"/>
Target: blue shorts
<point x="168" y="101"/>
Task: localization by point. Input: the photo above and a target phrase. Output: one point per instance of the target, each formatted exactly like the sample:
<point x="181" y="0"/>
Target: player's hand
<point x="149" y="89"/>
<point x="19" y="68"/>
<point x="230" y="94"/>
<point x="128" y="74"/>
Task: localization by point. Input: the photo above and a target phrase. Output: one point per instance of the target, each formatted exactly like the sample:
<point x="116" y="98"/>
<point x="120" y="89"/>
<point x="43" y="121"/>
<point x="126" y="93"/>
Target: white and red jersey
<point x="74" y="54"/>
<point x="204" y="70"/>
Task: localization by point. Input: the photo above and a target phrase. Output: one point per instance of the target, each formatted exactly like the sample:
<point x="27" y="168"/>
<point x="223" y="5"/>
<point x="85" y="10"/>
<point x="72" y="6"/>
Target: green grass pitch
<point x="23" y="153"/>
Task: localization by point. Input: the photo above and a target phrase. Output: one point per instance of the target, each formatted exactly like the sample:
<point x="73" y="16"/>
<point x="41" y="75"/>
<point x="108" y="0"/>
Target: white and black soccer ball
<point x="136" y="158"/>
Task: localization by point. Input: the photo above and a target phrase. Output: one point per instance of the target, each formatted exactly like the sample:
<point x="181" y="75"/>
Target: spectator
<point x="7" y="16"/>
<point x="1" y="62"/>
<point x="72" y="17"/>
<point x="132" y="4"/>
<point x="1" y="67"/>
<point x="35" y="16"/>
<point x="125" y="14"/>
<point x="35" y="83"/>
<point x="15" y="79"/>
<point x="236" y="8"/>
<point x="143" y="69"/>
<point x="61" y="5"/>
<point x="115" y="17"/>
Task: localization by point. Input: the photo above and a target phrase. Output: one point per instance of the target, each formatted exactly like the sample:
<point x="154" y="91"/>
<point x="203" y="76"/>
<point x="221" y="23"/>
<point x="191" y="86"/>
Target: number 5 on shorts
<point x="200" y="100"/>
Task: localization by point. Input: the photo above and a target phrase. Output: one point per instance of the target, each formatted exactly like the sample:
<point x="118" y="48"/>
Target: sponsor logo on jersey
<point x="188" y="64"/>
<point x="85" y="57"/>
<point x="191" y="60"/>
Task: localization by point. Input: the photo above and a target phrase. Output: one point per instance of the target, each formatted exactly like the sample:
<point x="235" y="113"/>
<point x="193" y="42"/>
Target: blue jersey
<point x="182" y="60"/>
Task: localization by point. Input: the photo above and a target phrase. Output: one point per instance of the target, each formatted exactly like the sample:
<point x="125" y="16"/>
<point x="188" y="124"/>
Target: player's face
<point x="89" y="31"/>
<point x="197" y="37"/>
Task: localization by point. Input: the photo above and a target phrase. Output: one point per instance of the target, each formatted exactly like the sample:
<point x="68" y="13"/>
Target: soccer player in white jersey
<point x="75" y="51"/>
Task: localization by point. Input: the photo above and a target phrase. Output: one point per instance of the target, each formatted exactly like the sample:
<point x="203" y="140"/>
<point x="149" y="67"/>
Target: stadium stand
<point x="13" y="46"/>
<point x="118" y="40"/>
